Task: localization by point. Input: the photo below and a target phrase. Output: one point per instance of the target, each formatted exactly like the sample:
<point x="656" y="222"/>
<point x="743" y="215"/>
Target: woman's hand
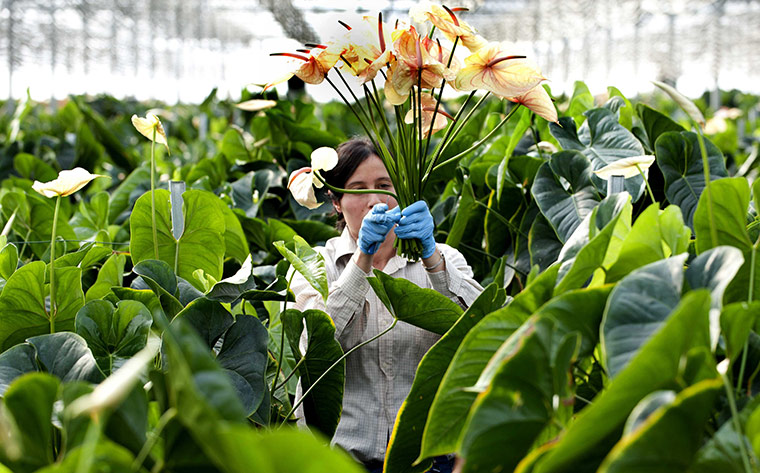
<point x="416" y="222"/>
<point x="375" y="226"/>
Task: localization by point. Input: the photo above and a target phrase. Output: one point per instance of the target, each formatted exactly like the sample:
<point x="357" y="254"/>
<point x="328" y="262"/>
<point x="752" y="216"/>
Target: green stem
<point x="737" y="423"/>
<point x="290" y="375"/>
<point x="345" y="355"/>
<point x="153" y="193"/>
<point x="282" y="334"/>
<point x="477" y="144"/>
<point x="356" y="114"/>
<point x="356" y="191"/>
<point x="440" y="94"/>
<point x="501" y="218"/>
<point x="649" y="189"/>
<point x="23" y="246"/>
<point x="87" y="456"/>
<point x="153" y="438"/>
<point x="706" y="169"/>
<point x="750" y="297"/>
<point x="450" y="137"/>
<point x="53" y="307"/>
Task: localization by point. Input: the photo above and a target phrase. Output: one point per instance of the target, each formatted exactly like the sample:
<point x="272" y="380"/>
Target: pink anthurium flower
<point x="490" y="68"/>
<point x="452" y="27"/>
<point x="302" y="181"/>
<point x="538" y="100"/>
<point x="414" y="65"/>
<point x="428" y="108"/>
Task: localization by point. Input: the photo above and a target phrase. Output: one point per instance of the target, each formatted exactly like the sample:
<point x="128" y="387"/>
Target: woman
<point x="380" y="374"/>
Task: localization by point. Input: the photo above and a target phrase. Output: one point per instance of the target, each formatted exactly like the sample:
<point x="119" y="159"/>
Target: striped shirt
<point x="380" y="374"/>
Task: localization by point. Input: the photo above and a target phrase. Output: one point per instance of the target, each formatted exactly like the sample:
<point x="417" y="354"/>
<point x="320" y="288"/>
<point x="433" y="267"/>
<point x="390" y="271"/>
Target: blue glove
<point x="375" y="226"/>
<point x="416" y="222"/>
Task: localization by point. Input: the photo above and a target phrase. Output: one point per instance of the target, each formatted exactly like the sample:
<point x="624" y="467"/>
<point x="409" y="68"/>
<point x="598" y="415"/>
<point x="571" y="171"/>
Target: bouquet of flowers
<point x="415" y="68"/>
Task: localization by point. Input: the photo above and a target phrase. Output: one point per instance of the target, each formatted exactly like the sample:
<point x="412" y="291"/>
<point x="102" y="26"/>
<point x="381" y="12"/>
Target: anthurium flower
<point x="256" y="105"/>
<point x="367" y="47"/>
<point x="302" y="181"/>
<point x="626" y="167"/>
<point x="412" y="58"/>
<point x="147" y="125"/>
<point x="66" y="183"/>
<point x="428" y="108"/>
<point x="312" y="68"/>
<point x="492" y="69"/>
<point x="538" y="100"/>
<point x="452" y="27"/>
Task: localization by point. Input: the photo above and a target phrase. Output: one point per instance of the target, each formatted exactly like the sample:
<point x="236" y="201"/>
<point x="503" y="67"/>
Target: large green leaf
<point x="655" y="124"/>
<point x="123" y="198"/>
<point x="109" y="275"/>
<point x="506" y="418"/>
<point x="201" y="245"/>
<point x="668" y="439"/>
<point x="29" y="402"/>
<point x="286" y="450"/>
<point x="66" y="356"/>
<point x="158" y="276"/>
<point x="8" y="260"/>
<point x="603" y="141"/>
<point x="564" y="191"/>
<point x="680" y="160"/>
<point x="736" y="322"/>
<point x="243" y="356"/>
<point x="209" y="318"/>
<point x="464" y="210"/>
<point x="406" y="439"/>
<point x="713" y="270"/>
<point x="235" y="244"/>
<point x="14" y="362"/>
<point x="34" y="221"/>
<point x="656" y="234"/>
<point x="424" y="308"/>
<point x="578" y="311"/>
<point x="580" y="102"/>
<point x="308" y="262"/>
<point x="323" y="405"/>
<point x="543" y="244"/>
<point x="657" y="365"/>
<point x="637" y="308"/>
<point x="22" y="303"/>
<point x="731" y="198"/>
<point x="105" y="456"/>
<point x="113" y="334"/>
<point x="452" y="402"/>
<point x="587" y="247"/>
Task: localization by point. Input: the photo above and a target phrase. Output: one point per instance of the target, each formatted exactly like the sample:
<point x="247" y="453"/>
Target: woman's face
<point x="370" y="174"/>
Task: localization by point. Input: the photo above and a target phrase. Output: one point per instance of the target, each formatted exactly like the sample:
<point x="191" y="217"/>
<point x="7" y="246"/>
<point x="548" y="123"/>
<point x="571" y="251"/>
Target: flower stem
<point x="345" y="355"/>
<point x="356" y="191"/>
<point x="477" y="144"/>
<point x="736" y="422"/>
<point x="282" y="334"/>
<point x="53" y="308"/>
<point x="153" y="193"/>
<point x="649" y="189"/>
<point x="706" y="169"/>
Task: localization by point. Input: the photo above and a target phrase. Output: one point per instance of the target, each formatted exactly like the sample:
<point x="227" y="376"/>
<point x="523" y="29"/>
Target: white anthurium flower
<point x="66" y="183"/>
<point x="301" y="186"/>
<point x="115" y="388"/>
<point x="242" y="274"/>
<point x="256" y="105"/>
<point x="146" y="126"/>
<point x="626" y="167"/>
<point x="302" y="181"/>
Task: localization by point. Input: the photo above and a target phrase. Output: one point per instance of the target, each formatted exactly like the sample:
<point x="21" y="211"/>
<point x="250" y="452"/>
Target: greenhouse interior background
<point x="179" y="50"/>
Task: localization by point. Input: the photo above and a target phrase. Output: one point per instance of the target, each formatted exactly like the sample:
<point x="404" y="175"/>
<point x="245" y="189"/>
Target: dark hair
<point x="350" y="155"/>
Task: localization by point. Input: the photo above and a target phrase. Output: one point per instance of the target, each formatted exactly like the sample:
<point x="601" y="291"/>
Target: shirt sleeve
<point x="346" y="302"/>
<point x="456" y="282"/>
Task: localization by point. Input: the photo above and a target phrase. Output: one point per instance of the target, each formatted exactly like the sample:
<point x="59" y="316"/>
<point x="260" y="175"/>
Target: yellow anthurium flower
<point x="452" y="27"/>
<point x="66" y="183"/>
<point x="147" y="125"/>
<point x="302" y="181"/>
<point x="490" y="68"/>
<point x="626" y="167"/>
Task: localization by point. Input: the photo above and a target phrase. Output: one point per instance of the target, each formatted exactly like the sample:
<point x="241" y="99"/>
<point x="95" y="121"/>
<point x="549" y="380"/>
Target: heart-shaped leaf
<point x="306" y="261"/>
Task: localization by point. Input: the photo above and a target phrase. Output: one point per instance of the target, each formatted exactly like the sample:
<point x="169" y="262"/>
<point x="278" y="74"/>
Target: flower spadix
<point x="302" y="181"/>
<point x="148" y="125"/>
<point x="626" y="167"/>
<point x="66" y="183"/>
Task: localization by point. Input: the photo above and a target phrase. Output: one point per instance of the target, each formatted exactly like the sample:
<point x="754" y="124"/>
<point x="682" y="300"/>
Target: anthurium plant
<point x="416" y="68"/>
